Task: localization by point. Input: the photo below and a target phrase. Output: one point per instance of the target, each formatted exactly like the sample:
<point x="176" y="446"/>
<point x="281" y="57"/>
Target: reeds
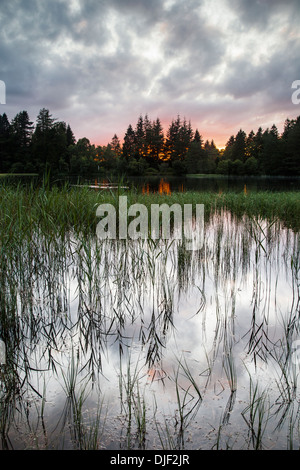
<point x="126" y="306"/>
<point x="257" y="414"/>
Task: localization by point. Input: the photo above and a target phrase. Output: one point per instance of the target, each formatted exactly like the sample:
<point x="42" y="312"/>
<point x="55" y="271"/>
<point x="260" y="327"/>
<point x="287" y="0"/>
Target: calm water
<point x="215" y="184"/>
<point x="140" y="345"/>
<point x="169" y="184"/>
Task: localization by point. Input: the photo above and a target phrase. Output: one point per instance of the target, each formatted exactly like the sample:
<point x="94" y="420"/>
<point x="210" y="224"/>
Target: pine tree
<point x="50" y="143"/>
<point x="179" y="138"/>
<point x="228" y="152"/>
<point x="139" y="138"/>
<point x="148" y="140"/>
<point x="158" y="141"/>
<point x="70" y="136"/>
<point x="250" y="145"/>
<point x="5" y="143"/>
<point x="197" y="137"/>
<point x="44" y="121"/>
<point x="41" y="139"/>
<point x="116" y="146"/>
<point x="292" y="149"/>
<point x="129" y="144"/>
<point x="172" y="139"/>
<point x="21" y="130"/>
<point x="271" y="154"/>
<point x="239" y="147"/>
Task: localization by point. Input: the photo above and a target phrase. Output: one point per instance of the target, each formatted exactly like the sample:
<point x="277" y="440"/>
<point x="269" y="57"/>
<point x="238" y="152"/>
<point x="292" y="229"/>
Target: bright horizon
<point x="222" y="65"/>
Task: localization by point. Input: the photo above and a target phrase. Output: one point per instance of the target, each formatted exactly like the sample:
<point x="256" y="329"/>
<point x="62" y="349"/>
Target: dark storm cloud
<point x="147" y="12"/>
<point x="199" y="46"/>
<point x="270" y="77"/>
<point x="34" y="55"/>
<point x="260" y="13"/>
<point x="33" y="20"/>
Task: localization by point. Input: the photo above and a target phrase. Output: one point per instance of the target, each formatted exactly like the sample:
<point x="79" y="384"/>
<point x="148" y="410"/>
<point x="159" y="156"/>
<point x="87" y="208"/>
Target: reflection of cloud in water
<point x="169" y="318"/>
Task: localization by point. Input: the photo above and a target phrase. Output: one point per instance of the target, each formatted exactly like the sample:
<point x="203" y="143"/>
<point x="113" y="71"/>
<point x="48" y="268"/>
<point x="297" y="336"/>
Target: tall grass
<point x="257" y="414"/>
<point x="56" y="210"/>
<point x="131" y="295"/>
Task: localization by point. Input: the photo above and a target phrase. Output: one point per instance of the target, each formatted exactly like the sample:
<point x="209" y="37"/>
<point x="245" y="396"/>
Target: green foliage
<point x="223" y="167"/>
<point x="251" y="166"/>
<point x="237" y="167"/>
<point x="82" y="157"/>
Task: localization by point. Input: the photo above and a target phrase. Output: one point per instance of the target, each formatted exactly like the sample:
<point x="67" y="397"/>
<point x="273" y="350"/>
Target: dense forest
<point x="145" y="149"/>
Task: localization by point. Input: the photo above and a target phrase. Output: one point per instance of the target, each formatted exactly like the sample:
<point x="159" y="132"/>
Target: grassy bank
<point x="58" y="210"/>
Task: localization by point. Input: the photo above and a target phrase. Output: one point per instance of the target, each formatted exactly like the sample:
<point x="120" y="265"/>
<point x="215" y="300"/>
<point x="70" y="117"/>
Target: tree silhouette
<point x="51" y="144"/>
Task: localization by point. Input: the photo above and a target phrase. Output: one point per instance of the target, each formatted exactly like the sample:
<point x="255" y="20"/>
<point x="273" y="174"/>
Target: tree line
<point x="146" y="149"/>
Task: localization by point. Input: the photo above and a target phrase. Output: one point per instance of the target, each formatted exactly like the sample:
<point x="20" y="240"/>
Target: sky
<point x="98" y="65"/>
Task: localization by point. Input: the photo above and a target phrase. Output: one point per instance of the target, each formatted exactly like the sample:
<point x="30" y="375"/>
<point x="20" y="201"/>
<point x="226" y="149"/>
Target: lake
<point x="143" y="344"/>
<point x="169" y="184"/>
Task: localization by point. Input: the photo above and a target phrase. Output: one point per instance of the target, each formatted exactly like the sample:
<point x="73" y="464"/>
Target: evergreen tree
<point x="148" y="140"/>
<point x="5" y="143"/>
<point x="172" y="139"/>
<point x="22" y="129"/>
<point x="288" y="126"/>
<point x="250" y="145"/>
<point x="239" y="147"/>
<point x="258" y="148"/>
<point x="274" y="131"/>
<point x="116" y="146"/>
<point x="42" y="139"/>
<point x="129" y="144"/>
<point x="229" y="148"/>
<point x="44" y="121"/>
<point x="179" y="137"/>
<point x="197" y="158"/>
<point x="139" y="139"/>
<point x="197" y="137"/>
<point x="291" y="164"/>
<point x="21" y="132"/>
<point x="50" y="143"/>
<point x="59" y="156"/>
<point x="271" y="157"/>
<point x="157" y="141"/>
<point x="70" y="136"/>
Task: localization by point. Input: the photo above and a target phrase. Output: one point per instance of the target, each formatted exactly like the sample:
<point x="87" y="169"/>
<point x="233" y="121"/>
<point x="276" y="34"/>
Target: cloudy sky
<point x="99" y="64"/>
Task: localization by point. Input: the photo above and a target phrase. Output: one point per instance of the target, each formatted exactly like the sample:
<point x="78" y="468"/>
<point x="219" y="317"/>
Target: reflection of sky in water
<point x="156" y="309"/>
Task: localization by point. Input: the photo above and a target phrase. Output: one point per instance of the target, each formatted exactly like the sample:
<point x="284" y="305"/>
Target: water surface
<point x="142" y="344"/>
